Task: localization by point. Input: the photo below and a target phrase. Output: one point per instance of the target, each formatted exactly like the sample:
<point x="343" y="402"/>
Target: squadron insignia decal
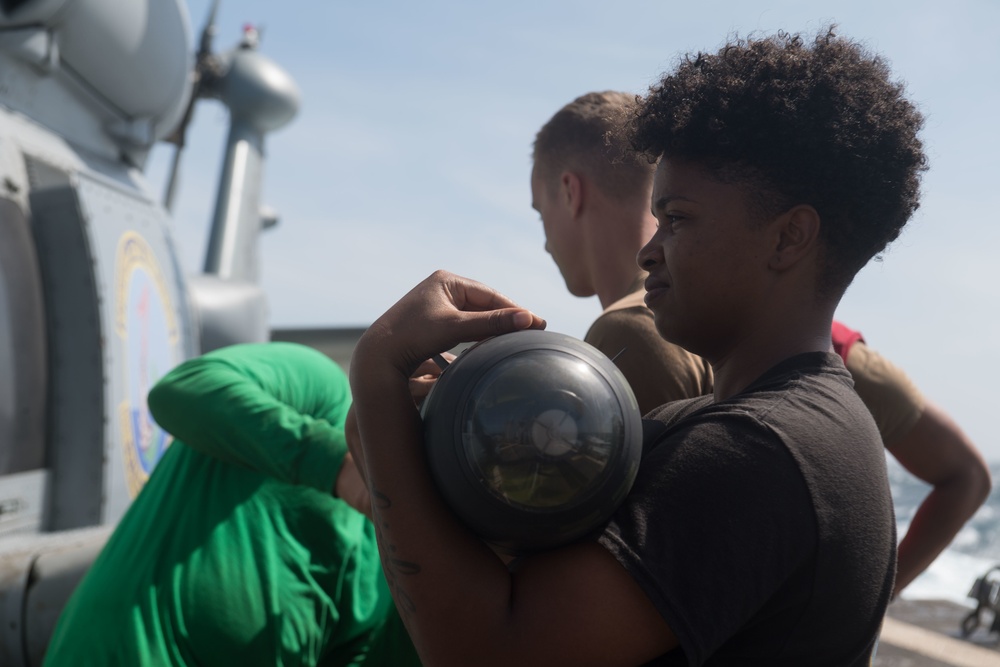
<point x="147" y="330"/>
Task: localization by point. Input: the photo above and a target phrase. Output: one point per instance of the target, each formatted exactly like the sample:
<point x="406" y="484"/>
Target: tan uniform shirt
<point x="658" y="372"/>
<point x="889" y="394"/>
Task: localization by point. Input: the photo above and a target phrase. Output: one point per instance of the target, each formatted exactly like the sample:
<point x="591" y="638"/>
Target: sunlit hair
<point x="579" y="137"/>
<point x="821" y="124"/>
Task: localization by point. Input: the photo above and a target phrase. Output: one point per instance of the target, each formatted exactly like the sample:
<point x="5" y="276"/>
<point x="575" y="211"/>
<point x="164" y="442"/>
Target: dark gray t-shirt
<point x="762" y="527"/>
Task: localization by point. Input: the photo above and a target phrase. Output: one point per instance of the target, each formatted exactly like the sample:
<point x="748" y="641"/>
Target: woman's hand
<point x="436" y="315"/>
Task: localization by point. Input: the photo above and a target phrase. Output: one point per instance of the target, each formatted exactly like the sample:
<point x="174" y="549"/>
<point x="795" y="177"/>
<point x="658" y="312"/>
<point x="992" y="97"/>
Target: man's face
<point x="562" y="236"/>
<point x="707" y="261"/>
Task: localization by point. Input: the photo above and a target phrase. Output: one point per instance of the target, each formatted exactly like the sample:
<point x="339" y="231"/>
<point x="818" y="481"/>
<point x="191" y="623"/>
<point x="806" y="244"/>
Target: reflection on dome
<point x="533" y="439"/>
<point x="540" y="429"/>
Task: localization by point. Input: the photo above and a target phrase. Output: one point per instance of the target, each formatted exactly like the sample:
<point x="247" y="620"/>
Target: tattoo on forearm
<point x="393" y="568"/>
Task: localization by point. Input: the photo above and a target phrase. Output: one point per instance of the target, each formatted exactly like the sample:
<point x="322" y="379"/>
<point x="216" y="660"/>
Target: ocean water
<point x="974" y="550"/>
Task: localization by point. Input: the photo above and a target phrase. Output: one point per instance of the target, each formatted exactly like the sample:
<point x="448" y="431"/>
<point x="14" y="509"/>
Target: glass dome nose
<point x="541" y="430"/>
<point x="533" y="438"/>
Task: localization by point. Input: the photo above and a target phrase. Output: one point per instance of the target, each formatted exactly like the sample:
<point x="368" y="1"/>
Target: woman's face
<point x="707" y="261"/>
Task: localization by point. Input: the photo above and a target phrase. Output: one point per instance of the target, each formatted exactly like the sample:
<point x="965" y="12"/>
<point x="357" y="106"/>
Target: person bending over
<point x="238" y="550"/>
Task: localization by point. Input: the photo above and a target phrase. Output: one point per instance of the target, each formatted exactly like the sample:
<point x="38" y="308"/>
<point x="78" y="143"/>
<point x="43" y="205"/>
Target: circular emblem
<point x="147" y="331"/>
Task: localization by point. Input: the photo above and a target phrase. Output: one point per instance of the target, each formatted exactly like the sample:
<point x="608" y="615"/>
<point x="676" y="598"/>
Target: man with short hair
<point x="593" y="197"/>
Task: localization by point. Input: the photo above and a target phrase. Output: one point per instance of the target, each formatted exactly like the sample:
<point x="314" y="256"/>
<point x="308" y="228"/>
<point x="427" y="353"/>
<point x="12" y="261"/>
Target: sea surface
<point x="971" y="554"/>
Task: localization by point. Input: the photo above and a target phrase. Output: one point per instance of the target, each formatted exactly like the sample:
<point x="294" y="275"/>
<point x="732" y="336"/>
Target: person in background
<point x="593" y="198"/>
<point x="927" y="442"/>
<point x="239" y="550"/>
<point x="760" y="526"/>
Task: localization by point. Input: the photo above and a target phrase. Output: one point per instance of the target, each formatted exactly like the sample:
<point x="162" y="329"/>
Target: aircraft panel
<point x="133" y="300"/>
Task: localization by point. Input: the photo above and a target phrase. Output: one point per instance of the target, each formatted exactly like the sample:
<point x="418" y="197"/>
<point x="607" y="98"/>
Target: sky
<point x="411" y="152"/>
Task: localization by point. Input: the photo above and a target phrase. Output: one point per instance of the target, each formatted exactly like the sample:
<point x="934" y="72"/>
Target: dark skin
<point x="440" y="574"/>
<point x="573" y="605"/>
<point x="351" y="485"/>
<point x="737" y="291"/>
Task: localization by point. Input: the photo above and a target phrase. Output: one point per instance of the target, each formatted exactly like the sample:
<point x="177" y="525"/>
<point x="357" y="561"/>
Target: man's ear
<point x="571" y="192"/>
<point x="797" y="234"/>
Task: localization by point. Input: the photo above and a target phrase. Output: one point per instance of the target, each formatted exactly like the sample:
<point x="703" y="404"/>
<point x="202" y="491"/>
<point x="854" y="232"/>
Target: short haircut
<point x="820" y="124"/>
<point x="585" y="136"/>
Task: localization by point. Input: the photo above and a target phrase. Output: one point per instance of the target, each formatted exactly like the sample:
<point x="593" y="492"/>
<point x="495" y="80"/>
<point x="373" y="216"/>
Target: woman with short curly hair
<point x="760" y="529"/>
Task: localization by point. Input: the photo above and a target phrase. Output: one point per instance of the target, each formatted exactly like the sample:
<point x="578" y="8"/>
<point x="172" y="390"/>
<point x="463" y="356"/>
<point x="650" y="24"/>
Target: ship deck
<point x="926" y="633"/>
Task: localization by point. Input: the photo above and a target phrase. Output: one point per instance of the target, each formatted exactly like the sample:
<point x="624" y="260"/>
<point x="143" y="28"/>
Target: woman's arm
<point x="459" y="602"/>
<point x="352" y="484"/>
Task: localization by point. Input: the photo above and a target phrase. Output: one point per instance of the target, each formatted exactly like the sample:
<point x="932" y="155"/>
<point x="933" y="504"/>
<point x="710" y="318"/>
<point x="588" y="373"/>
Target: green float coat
<point x="236" y="552"/>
